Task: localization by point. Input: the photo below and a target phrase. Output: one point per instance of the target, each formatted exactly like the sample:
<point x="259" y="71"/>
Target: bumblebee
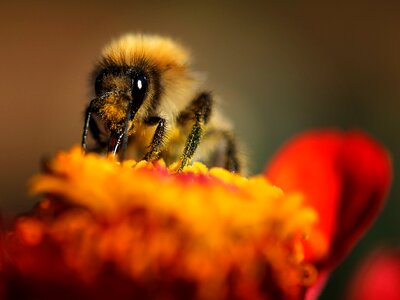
<point x="148" y="105"/>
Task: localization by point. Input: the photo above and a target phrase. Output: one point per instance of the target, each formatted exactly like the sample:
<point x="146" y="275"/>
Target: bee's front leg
<point x="114" y="143"/>
<point x="88" y="116"/>
<point x="158" y="140"/>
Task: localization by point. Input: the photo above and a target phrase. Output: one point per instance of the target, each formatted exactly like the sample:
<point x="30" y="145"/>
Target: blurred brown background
<point x="280" y="68"/>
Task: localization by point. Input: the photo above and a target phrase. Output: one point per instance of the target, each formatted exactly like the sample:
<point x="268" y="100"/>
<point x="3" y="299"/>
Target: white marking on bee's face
<point x="139" y="84"/>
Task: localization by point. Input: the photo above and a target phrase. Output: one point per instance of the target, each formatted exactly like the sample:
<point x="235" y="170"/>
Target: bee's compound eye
<point x="139" y="86"/>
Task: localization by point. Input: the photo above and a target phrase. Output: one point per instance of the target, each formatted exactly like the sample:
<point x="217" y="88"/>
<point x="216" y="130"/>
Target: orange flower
<point x="141" y="231"/>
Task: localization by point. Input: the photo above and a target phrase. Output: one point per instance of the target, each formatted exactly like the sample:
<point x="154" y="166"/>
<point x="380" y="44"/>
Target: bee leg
<point x="91" y="126"/>
<point x="96" y="134"/>
<point x="88" y="117"/>
<point x="158" y="138"/>
<point x="232" y="162"/>
<point x="224" y="151"/>
<point x="114" y="143"/>
<point x="200" y="108"/>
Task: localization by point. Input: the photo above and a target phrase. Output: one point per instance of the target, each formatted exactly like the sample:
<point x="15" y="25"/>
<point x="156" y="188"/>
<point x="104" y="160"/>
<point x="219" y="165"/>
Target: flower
<point x="345" y="176"/>
<point x="139" y="230"/>
<point x="378" y="277"/>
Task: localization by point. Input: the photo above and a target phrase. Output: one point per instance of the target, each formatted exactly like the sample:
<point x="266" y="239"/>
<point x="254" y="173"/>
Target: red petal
<point x="344" y="176"/>
<point x="378" y="278"/>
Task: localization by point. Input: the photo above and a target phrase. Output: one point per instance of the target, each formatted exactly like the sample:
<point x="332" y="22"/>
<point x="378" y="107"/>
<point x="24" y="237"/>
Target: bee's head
<point x="117" y="89"/>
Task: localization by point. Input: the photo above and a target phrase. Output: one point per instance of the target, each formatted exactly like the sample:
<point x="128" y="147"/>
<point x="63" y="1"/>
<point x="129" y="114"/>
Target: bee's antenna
<point x="125" y="138"/>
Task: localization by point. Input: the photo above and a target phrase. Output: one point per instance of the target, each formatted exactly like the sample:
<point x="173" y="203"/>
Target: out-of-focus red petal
<point x="2" y="259"/>
<point x="378" y="277"/>
<point x="345" y="176"/>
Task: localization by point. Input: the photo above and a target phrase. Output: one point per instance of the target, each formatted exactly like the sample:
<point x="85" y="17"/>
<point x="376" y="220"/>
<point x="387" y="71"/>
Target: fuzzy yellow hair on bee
<point x="148" y="105"/>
